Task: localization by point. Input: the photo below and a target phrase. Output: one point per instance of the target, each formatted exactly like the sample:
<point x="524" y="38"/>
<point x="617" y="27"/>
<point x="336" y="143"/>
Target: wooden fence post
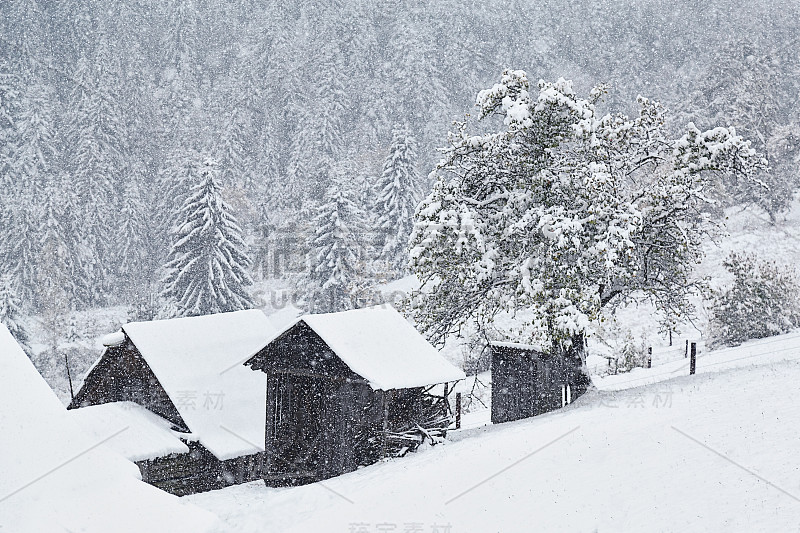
<point x="686" y="350"/>
<point x="69" y="375"/>
<point x="458" y="410"/>
<point x="693" y="360"/>
<point x="650" y="357"/>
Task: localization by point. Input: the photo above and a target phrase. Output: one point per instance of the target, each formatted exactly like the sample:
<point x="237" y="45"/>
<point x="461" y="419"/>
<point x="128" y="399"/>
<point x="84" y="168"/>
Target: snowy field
<point x="711" y="452"/>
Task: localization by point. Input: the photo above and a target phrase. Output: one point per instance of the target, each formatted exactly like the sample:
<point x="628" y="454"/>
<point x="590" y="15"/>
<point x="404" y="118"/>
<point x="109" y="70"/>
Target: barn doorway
<point x="296" y="434"/>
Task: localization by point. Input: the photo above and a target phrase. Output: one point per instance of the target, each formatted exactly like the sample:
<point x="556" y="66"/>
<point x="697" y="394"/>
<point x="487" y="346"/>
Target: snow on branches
<point x="207" y="266"/>
<point x="563" y="212"/>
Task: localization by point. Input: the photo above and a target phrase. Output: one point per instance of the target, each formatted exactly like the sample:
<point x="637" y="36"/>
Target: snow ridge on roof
<point x="199" y="362"/>
<point x="381" y="346"/>
<point x="57" y="478"/>
<point x="517" y="345"/>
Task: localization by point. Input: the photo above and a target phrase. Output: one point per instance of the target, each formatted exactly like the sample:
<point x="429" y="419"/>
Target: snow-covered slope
<point x="711" y="452"/>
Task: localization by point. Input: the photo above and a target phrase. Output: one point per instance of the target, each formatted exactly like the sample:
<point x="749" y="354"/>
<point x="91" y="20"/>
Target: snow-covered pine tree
<point x="10" y="313"/>
<point x="333" y="277"/>
<point x="133" y="270"/>
<point x="92" y="140"/>
<point x="9" y="101"/>
<point x="398" y="196"/>
<point x="88" y="274"/>
<point x="32" y="162"/>
<point x="59" y="283"/>
<point x="414" y="62"/>
<point x="176" y="178"/>
<point x="264" y="239"/>
<point x="207" y="266"/>
<point x="22" y="248"/>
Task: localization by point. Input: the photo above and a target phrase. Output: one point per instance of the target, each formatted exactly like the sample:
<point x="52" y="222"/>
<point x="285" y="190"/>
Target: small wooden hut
<point x="189" y="372"/>
<point x="345" y="389"/>
<point x="56" y="477"/>
<point x="527" y="381"/>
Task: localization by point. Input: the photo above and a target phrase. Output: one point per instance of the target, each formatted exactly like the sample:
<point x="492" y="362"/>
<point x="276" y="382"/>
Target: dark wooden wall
<point x="527" y="383"/>
<point x="199" y="471"/>
<point x="123" y="375"/>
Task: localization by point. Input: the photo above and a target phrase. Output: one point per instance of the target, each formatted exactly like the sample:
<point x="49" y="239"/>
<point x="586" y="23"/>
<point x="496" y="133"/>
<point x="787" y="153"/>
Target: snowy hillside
<point x="711" y="452"/>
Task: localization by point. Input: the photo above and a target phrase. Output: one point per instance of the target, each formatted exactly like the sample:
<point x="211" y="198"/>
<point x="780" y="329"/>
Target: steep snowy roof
<point x="148" y="435"/>
<point x="381" y="346"/>
<point x="57" y="478"/>
<point x="198" y="361"/>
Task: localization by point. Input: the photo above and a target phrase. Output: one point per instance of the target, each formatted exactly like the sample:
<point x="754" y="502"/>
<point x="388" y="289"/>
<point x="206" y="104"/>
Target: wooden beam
<point x="307" y="373"/>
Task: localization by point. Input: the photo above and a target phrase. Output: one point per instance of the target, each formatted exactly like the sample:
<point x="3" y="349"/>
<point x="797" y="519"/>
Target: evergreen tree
<point x="333" y="278"/>
<point x="761" y="302"/>
<point x="264" y="240"/>
<point x="10" y="313"/>
<point x="60" y="281"/>
<point x="133" y="266"/>
<point x="174" y="184"/>
<point x="207" y="266"/>
<point x="415" y="74"/>
<point x="9" y="101"/>
<point x="95" y="161"/>
<point x="398" y="196"/>
<point x="22" y="246"/>
<point x="317" y="141"/>
<point x="32" y="163"/>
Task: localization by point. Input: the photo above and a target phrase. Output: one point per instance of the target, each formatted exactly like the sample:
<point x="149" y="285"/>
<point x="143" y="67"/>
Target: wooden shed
<point x="188" y="372"/>
<point x="527" y="381"/>
<point x="345" y="389"/>
<point x="56" y="477"/>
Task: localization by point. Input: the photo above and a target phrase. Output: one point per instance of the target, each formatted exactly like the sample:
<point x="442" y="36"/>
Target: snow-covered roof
<point x="517" y="345"/>
<point x="381" y="346"/>
<point x="55" y="477"/>
<point x="146" y="434"/>
<point x="199" y="362"/>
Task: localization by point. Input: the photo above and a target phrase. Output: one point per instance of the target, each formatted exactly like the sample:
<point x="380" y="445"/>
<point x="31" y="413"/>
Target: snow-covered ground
<point x="711" y="452"/>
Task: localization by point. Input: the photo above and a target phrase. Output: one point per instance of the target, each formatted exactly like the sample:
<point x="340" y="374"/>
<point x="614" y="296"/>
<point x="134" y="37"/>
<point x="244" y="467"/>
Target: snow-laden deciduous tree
<point x="398" y="196"/>
<point x="561" y="212"/>
<point x="333" y="277"/>
<point x="762" y="301"/>
<point x="10" y="313"/>
<point x="207" y="266"/>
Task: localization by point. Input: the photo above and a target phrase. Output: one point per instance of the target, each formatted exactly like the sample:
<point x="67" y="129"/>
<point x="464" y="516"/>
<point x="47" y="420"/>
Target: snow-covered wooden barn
<point x="182" y="383"/>
<point x="527" y="381"/>
<point x="345" y="389"/>
<point x="55" y="477"/>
